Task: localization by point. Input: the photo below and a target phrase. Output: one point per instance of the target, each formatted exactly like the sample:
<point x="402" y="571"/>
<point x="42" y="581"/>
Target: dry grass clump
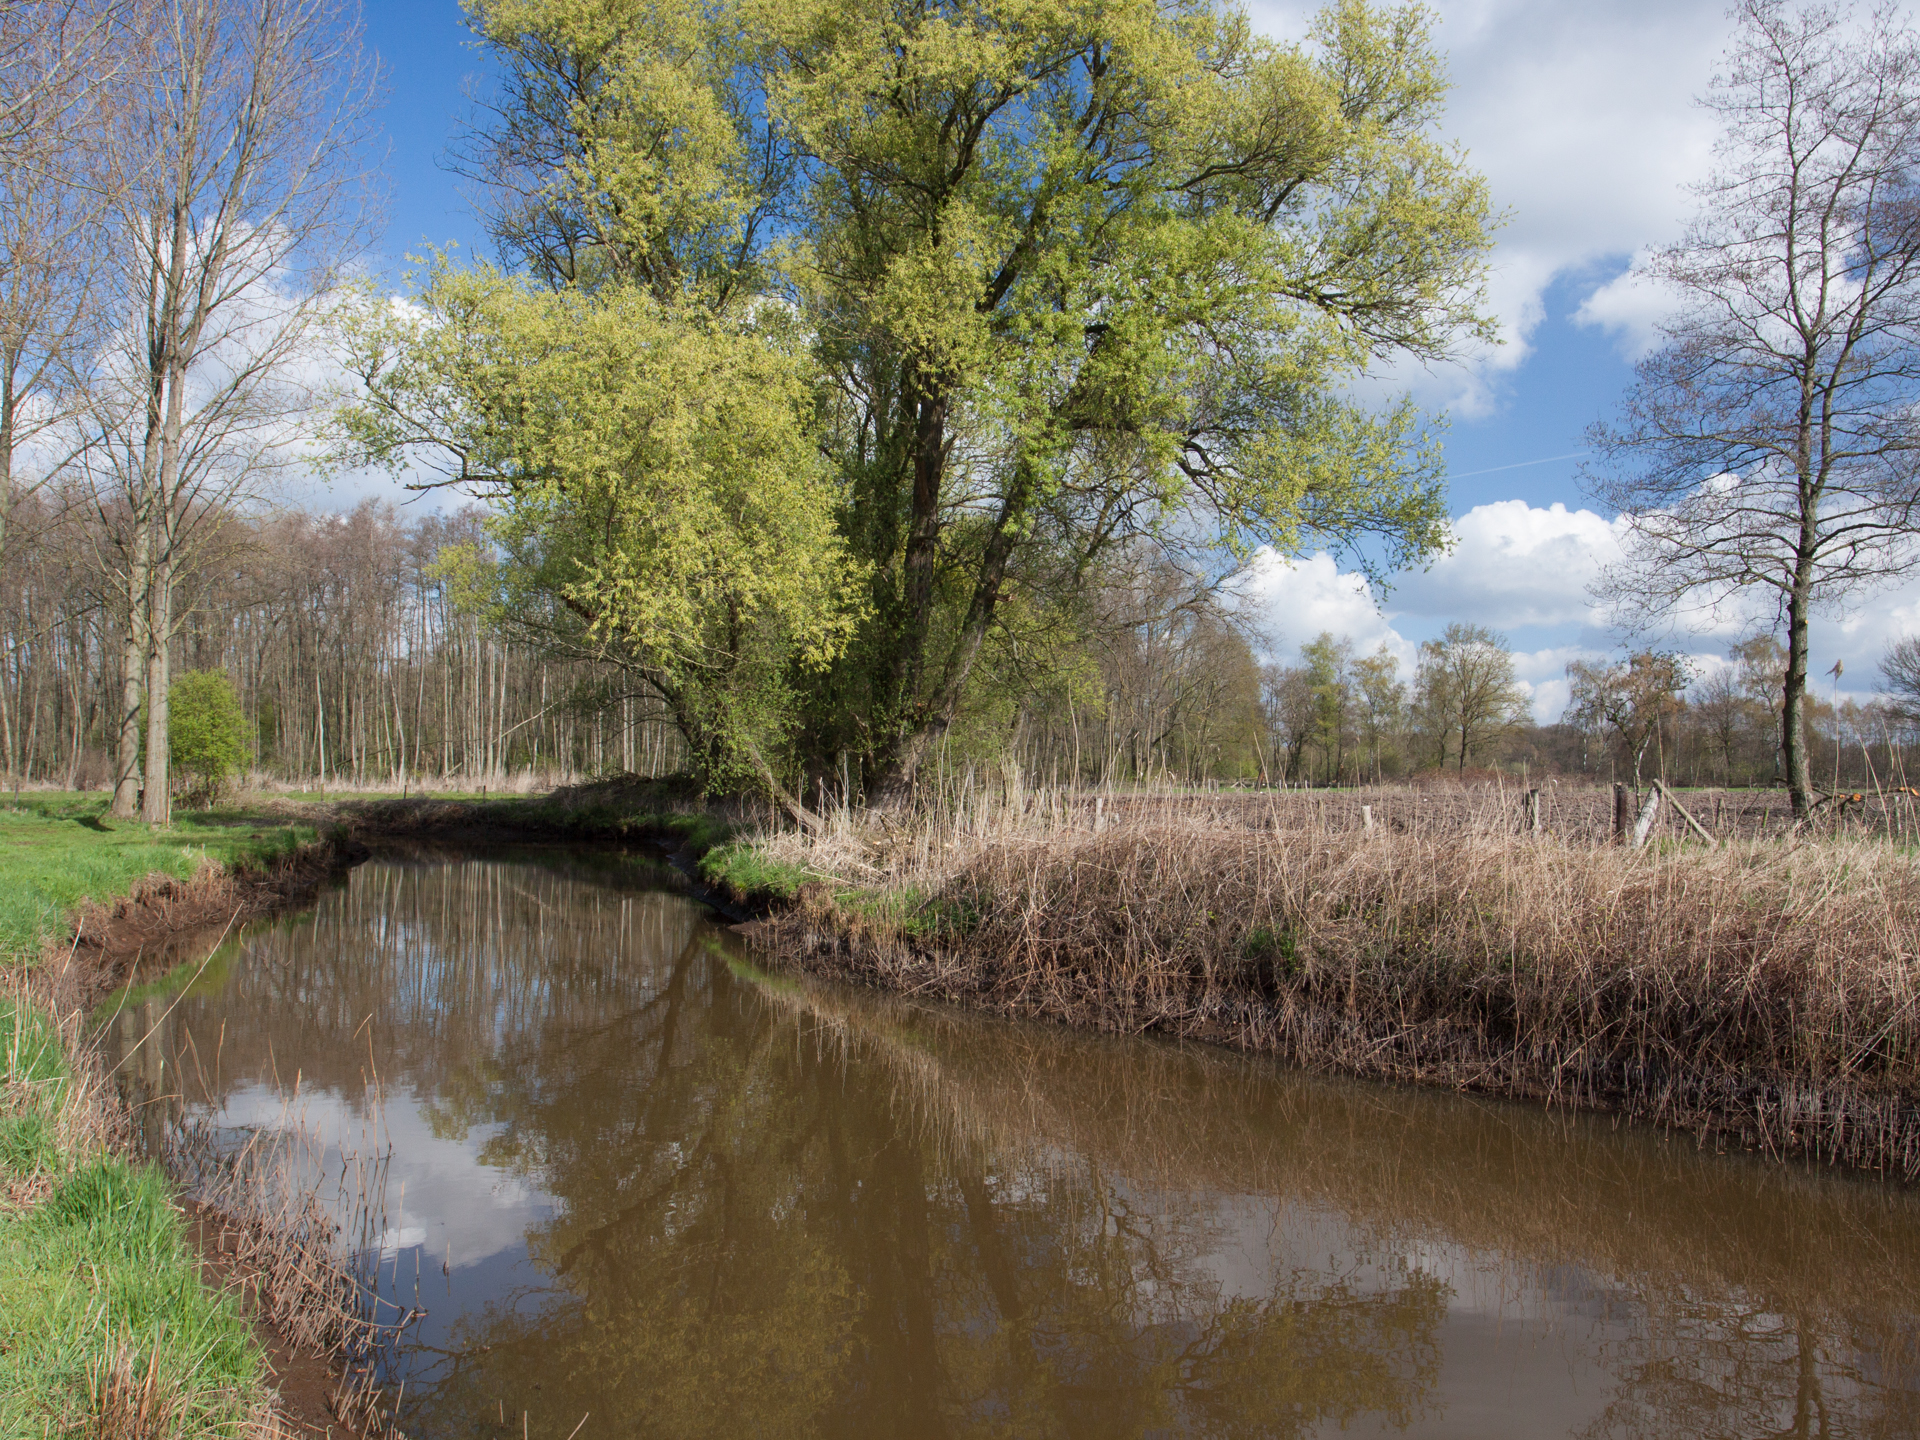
<point x="1768" y="989"/>
<point x="130" y="1398"/>
<point x="282" y="1248"/>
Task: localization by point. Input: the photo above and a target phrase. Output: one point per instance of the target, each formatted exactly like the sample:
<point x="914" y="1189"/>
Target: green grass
<point x="57" y="851"/>
<point x="739" y="867"/>
<point x="98" y="1264"/>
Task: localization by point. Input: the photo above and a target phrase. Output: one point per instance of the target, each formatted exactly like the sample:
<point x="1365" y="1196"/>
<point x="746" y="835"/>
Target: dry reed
<point x="1766" y="989"/>
<point x="292" y="1256"/>
<point x="129" y="1399"/>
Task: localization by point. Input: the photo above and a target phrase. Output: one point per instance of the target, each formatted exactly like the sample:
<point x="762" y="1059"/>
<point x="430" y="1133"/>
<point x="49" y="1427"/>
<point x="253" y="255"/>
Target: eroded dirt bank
<point x="164" y="922"/>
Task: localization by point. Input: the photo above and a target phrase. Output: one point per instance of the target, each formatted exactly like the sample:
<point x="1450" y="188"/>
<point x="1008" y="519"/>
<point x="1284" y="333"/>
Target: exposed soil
<point x="303" y="1381"/>
<point x="166" y="922"/>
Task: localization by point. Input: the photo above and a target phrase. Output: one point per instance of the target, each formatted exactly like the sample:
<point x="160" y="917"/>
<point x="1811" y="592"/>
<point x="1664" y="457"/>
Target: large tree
<point x="52" y="60"/>
<point x="1465" y="694"/>
<point x="231" y="156"/>
<point x="1769" y="445"/>
<point x="1073" y="275"/>
<point x="655" y="497"/>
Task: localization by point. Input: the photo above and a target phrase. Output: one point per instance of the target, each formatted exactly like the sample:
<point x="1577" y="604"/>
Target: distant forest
<point x="358" y="667"/>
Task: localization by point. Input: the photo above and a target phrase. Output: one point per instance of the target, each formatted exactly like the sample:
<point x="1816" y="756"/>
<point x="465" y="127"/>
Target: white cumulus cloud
<point x="1515" y="564"/>
<point x="1521" y="567"/>
<point x="1629" y="308"/>
<point x="1582" y="118"/>
<point x="1294" y="600"/>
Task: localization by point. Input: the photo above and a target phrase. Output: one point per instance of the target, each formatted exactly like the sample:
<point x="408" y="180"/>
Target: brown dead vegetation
<point x="261" y="1228"/>
<point x="1765" y="990"/>
<point x="163" y="922"/>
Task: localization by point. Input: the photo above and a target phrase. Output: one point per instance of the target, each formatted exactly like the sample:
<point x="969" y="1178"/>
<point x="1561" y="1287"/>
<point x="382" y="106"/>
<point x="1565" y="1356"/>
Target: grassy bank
<point x="58" y="853"/>
<point x="107" y="1328"/>
<point x="1764" y="989"/>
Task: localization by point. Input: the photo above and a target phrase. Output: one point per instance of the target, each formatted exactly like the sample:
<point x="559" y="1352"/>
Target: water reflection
<point x="684" y="1198"/>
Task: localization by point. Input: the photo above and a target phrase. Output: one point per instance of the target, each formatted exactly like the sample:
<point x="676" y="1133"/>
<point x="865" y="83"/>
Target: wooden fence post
<point x="1644" y="824"/>
<point x="1622" y="813"/>
<point x="1530" y="812"/>
<point x="1696" y="826"/>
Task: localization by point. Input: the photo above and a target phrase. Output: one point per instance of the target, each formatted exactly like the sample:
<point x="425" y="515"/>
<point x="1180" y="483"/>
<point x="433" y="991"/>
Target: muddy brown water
<point x="642" y="1187"/>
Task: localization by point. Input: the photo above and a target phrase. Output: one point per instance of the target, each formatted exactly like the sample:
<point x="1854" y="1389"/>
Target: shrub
<point x="206" y="733"/>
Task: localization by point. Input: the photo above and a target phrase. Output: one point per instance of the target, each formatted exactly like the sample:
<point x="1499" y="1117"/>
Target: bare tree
<point x="1770" y="443"/>
<point x="1289" y="714"/>
<point x="239" y="194"/>
<point x="1465" y="691"/>
<point x="1900" y="668"/>
<point x="1724" y="715"/>
<point x="52" y="52"/>
<point x="1633" y="699"/>
<point x="52" y="58"/>
<point x="49" y="254"/>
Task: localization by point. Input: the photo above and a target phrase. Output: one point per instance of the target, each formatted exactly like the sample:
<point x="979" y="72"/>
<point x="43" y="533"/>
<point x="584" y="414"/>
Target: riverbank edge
<point x="816" y="934"/>
<point x="106" y="942"/>
<point x="110" y="941"/>
<point x="845" y="934"/>
<point x="808" y="923"/>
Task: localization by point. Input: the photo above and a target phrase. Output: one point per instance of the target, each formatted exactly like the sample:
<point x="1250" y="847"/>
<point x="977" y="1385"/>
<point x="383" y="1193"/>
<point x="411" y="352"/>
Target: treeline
<point x="1183" y="700"/>
<point x="342" y="636"/>
<point x="359" y="662"/>
<point x="860" y="443"/>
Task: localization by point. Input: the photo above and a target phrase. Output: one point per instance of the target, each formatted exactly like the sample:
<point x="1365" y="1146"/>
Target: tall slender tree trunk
<point x="133" y="665"/>
<point x="1793" y="714"/>
<point x="156" y="808"/>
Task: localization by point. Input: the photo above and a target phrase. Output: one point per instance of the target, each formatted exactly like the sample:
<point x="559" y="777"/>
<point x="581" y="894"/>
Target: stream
<point x="641" y="1186"/>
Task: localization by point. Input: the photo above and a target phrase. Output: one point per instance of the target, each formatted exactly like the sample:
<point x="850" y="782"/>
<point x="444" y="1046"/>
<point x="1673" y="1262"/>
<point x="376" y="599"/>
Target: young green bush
<point x="206" y="731"/>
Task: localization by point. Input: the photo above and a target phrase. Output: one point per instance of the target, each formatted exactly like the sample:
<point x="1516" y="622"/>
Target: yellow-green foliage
<point x="1110" y="229"/>
<point x="836" y="312"/>
<point x="660" y="181"/>
<point x="206" y="731"/>
<point x="657" y="496"/>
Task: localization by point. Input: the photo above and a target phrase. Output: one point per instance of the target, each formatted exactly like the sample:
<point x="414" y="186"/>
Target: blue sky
<point x="431" y="65"/>
<point x="1583" y="119"/>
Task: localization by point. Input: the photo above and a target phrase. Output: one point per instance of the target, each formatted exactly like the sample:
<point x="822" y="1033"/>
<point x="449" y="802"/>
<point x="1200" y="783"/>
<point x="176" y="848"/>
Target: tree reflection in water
<point x="780" y="1210"/>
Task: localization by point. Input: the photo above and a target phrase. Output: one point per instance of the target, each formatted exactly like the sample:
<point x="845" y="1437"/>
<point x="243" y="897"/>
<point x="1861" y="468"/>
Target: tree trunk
<point x="126" y="776"/>
<point x="1793" y="717"/>
<point x="154" y="809"/>
<point x="922" y="547"/>
<point x="898" y="769"/>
